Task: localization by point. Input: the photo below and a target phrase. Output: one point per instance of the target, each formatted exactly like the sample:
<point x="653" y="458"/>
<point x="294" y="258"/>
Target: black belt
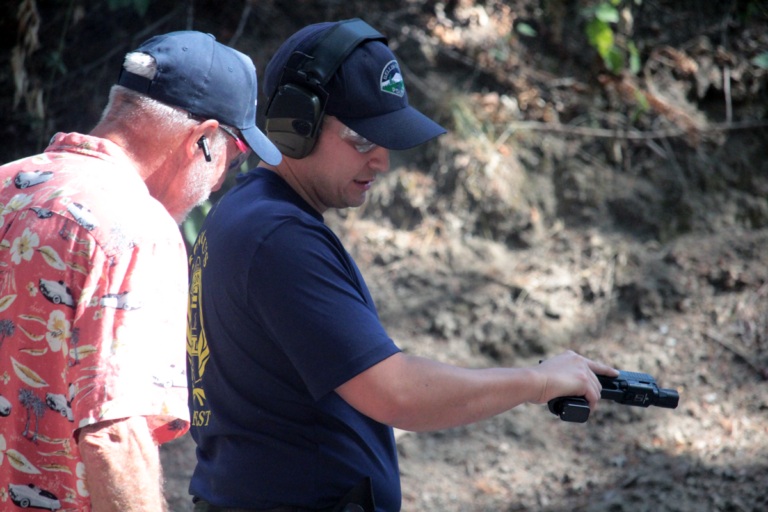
<point x="359" y="499"/>
<point x="203" y="506"/>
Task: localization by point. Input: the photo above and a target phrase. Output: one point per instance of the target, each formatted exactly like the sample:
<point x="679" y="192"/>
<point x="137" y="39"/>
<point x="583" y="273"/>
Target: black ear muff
<point x="293" y="120"/>
<point x="295" y="111"/>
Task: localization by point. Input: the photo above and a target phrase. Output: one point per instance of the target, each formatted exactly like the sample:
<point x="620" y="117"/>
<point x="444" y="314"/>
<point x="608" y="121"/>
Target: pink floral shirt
<point x="93" y="287"/>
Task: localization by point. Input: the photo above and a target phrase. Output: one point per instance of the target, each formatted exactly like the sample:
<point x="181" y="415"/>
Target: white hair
<point x="136" y="109"/>
<point x="128" y="104"/>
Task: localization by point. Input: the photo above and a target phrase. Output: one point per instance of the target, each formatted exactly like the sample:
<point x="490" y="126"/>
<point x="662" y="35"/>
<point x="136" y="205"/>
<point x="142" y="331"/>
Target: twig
<point x="59" y="52"/>
<point x="708" y="333"/>
<point x="139" y="36"/>
<point x="727" y="90"/>
<point x="675" y="163"/>
<point x="657" y="149"/>
<point x="115" y="50"/>
<point x="420" y="84"/>
<point x="504" y="136"/>
<point x="241" y="26"/>
<point x="631" y="134"/>
<point x="190" y="14"/>
<point x="607" y="283"/>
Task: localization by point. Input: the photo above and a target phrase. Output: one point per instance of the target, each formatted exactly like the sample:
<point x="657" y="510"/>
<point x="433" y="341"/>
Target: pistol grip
<point x="570" y="408"/>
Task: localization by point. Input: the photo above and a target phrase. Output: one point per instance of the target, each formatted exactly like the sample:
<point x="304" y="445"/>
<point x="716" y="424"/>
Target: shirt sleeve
<point x="130" y="322"/>
<point x="312" y="301"/>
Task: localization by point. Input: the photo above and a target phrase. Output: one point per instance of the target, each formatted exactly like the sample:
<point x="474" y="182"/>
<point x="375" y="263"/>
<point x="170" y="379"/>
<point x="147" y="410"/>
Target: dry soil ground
<point x="477" y="304"/>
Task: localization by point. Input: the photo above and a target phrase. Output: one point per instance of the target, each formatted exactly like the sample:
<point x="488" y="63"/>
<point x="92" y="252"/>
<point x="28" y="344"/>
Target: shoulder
<point x="106" y="198"/>
<point x="257" y="209"/>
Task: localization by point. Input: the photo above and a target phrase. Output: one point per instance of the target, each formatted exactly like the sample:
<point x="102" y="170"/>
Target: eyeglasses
<point x="245" y="151"/>
<point x="360" y="143"/>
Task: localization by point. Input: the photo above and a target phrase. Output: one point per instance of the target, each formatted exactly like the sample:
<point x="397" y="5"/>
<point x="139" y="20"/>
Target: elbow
<point x="395" y="408"/>
<point x="402" y="410"/>
<point x="397" y="414"/>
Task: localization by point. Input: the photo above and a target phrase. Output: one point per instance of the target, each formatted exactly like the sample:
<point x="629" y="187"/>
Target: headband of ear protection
<point x="295" y="111"/>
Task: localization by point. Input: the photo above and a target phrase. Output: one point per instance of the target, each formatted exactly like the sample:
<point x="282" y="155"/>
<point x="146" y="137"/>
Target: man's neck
<point x="137" y="144"/>
<point x="289" y="173"/>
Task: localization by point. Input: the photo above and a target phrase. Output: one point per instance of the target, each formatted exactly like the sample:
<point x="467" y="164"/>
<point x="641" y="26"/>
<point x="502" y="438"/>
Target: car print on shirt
<point x="31" y="178"/>
<point x="83" y="216"/>
<point x="5" y="407"/>
<point x="31" y="495"/>
<point x="120" y="301"/>
<point x="173" y="376"/>
<point x="56" y="292"/>
<point x="42" y="213"/>
<point x="59" y="403"/>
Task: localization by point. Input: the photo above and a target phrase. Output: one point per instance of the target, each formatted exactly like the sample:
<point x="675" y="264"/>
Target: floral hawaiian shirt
<point x="93" y="287"/>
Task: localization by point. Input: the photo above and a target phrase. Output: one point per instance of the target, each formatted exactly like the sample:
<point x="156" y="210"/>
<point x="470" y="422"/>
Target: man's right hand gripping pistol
<point x="629" y="388"/>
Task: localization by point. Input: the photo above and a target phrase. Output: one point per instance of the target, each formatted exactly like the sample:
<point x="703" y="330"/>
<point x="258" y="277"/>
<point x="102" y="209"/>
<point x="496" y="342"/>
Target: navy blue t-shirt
<point x="279" y="316"/>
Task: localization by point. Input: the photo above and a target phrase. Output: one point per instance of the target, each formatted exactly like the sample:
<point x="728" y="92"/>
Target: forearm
<point x="122" y="465"/>
<point x="412" y="393"/>
<point x="421" y="394"/>
<point x="445" y="396"/>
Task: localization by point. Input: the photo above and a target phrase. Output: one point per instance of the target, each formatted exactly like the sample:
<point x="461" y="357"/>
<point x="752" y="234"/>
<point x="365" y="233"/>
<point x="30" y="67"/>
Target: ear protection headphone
<point x="295" y="111"/>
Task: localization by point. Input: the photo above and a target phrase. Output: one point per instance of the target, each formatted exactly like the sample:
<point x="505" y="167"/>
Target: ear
<point x="206" y="128"/>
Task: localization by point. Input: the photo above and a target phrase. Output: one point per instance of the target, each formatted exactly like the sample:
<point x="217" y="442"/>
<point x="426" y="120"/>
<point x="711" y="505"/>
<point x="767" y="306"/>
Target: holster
<point x="359" y="499"/>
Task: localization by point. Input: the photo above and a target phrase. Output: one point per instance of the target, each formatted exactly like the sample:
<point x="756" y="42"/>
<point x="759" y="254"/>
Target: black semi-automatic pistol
<point x="629" y="388"/>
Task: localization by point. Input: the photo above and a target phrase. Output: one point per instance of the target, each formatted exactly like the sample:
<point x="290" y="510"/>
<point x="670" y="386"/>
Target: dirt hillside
<point x="614" y="206"/>
<point x="510" y="240"/>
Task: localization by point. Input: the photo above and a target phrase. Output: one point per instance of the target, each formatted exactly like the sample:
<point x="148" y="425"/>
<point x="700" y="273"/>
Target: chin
<point x="356" y="203"/>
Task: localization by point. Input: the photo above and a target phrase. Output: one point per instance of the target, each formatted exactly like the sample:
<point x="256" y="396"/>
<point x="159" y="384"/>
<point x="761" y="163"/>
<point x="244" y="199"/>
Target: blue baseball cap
<point x="366" y="93"/>
<point x="208" y="79"/>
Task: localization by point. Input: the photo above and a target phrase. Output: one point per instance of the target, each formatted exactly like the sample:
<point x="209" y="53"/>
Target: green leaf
<point x="615" y="60"/>
<point x="118" y="4"/>
<point x="642" y="106"/>
<point x="600" y="37"/>
<point x="642" y="101"/>
<point x="607" y="13"/>
<point x="588" y="12"/>
<point x="634" y="58"/>
<point x="55" y="61"/>
<point x="761" y="60"/>
<point x="141" y="6"/>
<point x="526" y="30"/>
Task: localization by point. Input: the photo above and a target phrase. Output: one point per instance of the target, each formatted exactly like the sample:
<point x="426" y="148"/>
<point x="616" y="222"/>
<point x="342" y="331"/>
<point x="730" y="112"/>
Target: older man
<point x="93" y="277"/>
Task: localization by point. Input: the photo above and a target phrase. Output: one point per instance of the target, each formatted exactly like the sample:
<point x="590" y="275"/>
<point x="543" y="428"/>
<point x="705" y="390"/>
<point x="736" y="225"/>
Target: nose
<point x="379" y="159"/>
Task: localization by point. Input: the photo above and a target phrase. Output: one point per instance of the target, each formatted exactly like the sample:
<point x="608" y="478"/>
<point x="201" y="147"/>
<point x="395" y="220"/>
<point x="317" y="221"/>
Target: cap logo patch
<point x="392" y="79"/>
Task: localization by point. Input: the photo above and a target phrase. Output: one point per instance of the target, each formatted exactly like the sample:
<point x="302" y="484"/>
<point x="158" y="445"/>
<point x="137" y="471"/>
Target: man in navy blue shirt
<point x="294" y="384"/>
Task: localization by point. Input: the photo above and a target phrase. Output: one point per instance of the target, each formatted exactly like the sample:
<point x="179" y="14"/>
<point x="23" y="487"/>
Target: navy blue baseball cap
<point x="208" y="79"/>
<point x="366" y="93"/>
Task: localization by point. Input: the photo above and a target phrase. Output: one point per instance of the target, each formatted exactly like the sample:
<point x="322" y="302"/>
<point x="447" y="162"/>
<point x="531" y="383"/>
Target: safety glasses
<point x="360" y="143"/>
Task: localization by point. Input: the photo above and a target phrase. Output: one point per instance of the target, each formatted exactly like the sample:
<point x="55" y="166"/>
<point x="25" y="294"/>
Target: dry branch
<point x="708" y="333"/>
<point x="630" y="134"/>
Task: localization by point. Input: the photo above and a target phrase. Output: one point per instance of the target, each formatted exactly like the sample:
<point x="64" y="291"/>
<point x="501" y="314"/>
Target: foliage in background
<point x="139" y="5"/>
<point x="617" y="52"/>
<point x="761" y="60"/>
<point x="194" y="221"/>
<point x="191" y="226"/>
